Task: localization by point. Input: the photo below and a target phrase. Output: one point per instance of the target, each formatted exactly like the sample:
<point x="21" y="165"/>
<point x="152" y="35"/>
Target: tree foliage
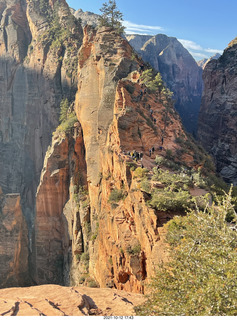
<point x="201" y="277"/>
<point x="111" y="16"/>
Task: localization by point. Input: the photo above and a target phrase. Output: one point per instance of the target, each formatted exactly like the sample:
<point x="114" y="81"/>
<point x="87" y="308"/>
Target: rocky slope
<point x="52" y="300"/>
<point x="218" y="114"/>
<point x="178" y="69"/>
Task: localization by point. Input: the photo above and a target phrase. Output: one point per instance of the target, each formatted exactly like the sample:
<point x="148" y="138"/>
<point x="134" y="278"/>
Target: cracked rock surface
<point x="54" y="300"/>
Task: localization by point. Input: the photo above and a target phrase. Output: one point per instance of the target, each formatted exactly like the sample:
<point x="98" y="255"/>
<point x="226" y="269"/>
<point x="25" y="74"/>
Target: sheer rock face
<point x="218" y="114"/>
<point x="178" y="69"/>
<point x="53" y="231"/>
<point x="33" y="77"/>
<point x="14" y="243"/>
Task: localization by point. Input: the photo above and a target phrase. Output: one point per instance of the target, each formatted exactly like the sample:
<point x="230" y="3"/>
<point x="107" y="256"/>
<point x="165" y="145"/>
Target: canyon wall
<point x="34" y="75"/>
<point x="218" y="113"/>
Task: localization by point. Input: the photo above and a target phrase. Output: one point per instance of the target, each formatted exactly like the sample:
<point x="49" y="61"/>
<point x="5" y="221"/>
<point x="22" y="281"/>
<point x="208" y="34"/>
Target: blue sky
<point x="204" y="27"/>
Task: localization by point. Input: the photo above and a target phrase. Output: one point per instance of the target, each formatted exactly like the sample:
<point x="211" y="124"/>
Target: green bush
<point x="145" y="185"/>
<point x="141" y="172"/>
<point x="116" y="195"/>
<point x="167" y="200"/>
<point x="200" y="277"/>
<point x="134" y="250"/>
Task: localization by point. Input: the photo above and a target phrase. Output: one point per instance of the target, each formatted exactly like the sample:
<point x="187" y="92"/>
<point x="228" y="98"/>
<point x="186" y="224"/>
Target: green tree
<point x="201" y="277"/>
<point x="64" y="107"/>
<point x="111" y="16"/>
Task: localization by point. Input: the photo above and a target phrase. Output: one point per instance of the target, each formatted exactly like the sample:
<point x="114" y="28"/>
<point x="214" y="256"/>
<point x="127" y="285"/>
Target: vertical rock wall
<point x="218" y="113"/>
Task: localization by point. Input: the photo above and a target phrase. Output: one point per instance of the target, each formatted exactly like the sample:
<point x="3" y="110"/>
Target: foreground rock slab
<point x="54" y="300"/>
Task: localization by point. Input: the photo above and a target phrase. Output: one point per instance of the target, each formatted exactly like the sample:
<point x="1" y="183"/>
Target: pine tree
<point x="111" y="16"/>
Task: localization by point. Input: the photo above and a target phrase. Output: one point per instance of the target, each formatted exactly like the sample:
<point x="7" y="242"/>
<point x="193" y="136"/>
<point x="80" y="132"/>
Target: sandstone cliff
<point x="218" y="114"/>
<point x="82" y="236"/>
<point x="14" y="243"/>
<point x="36" y="70"/>
<point x="178" y="69"/>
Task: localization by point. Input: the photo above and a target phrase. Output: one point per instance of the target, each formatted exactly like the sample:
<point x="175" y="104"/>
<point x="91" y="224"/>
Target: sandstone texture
<point x="218" y="113"/>
<point x="52" y="300"/>
<point x="14" y="243"/>
<point x="179" y="70"/>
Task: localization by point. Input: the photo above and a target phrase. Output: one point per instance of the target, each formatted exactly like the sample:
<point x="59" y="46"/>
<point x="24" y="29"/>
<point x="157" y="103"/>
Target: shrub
<point x="145" y="185"/>
<point x="140" y="172"/>
<point x="134" y="250"/>
<point x="200" y="277"/>
<point x="116" y="195"/>
<point x="167" y="200"/>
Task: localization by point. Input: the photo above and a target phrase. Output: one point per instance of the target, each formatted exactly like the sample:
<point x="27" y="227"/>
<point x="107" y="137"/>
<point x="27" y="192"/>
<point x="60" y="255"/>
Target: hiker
<point x="160" y="148"/>
<point x="162" y="140"/>
<point x="141" y="155"/>
<point x="150" y="152"/>
<point x="157" y="167"/>
<point x="154" y="119"/>
<point x="151" y="111"/>
<point x="152" y="149"/>
<point x="145" y="91"/>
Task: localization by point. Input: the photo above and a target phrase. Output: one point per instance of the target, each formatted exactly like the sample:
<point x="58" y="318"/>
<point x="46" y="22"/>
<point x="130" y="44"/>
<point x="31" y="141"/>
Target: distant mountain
<point x="86" y="17"/>
<point x="202" y="63"/>
<point x="178" y="69"/>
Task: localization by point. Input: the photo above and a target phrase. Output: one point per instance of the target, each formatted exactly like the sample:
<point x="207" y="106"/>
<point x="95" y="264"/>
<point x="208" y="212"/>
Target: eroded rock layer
<point x="218" y="114"/>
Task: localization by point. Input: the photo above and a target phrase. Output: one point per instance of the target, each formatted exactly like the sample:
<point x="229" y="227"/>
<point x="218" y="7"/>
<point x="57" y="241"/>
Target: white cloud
<point x="140" y="28"/>
<point x="190" y="45"/>
<point x="214" y="51"/>
<point x="198" y="51"/>
<point x="198" y="55"/>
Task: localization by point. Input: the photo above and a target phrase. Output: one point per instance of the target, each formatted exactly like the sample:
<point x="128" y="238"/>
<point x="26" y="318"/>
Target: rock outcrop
<point x="52" y="300"/>
<point x="218" y="113"/>
<point x="82" y="236"/>
<point x="86" y="17"/>
<point x="178" y="69"/>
